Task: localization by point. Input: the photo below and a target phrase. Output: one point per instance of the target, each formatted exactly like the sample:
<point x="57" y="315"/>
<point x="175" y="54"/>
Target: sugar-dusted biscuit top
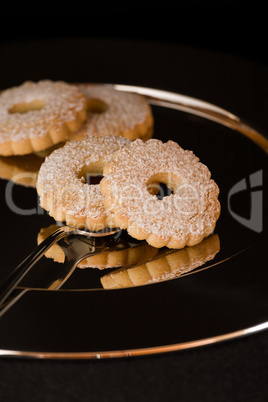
<point x="62" y="185"/>
<point x="115" y="112"/>
<point x="37" y="115"/>
<point x="183" y="218"/>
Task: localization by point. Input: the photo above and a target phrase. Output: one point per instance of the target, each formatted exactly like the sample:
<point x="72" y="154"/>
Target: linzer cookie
<point x="62" y="181"/>
<point x="114" y="112"/>
<point x="185" y="217"/>
<point x="36" y="115"/>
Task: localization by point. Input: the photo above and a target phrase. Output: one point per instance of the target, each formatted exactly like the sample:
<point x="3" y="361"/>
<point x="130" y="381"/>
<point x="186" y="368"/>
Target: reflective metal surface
<point x="76" y="246"/>
<point x="222" y="298"/>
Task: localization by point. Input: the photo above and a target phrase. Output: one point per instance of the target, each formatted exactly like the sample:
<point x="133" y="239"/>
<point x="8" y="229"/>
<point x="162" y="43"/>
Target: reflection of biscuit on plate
<point x="114" y="112"/>
<point x="134" y="255"/>
<point x="172" y="265"/>
<point x="24" y="169"/>
<point x="20" y="169"/>
<point x="37" y="115"/>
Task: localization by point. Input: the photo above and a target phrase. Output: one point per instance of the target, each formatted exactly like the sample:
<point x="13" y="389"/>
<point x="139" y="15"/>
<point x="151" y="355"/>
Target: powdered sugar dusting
<point x="190" y="211"/>
<point x="124" y="110"/>
<point x="61" y="183"/>
<point x="59" y="103"/>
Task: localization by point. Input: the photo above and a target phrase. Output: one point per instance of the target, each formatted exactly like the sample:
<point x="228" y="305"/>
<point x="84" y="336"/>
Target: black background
<point x="231" y="371"/>
<point x="233" y="27"/>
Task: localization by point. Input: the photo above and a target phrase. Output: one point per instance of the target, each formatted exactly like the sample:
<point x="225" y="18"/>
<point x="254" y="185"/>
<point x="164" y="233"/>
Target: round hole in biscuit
<point x="25" y="107"/>
<point x="93" y="178"/>
<point x="161" y="190"/>
<point x="164" y="191"/>
<point x="163" y="185"/>
<point x="95" y="105"/>
<point x="91" y="175"/>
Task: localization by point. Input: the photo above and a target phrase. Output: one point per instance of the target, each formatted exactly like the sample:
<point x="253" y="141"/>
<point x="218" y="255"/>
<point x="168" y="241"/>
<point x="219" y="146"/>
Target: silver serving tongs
<point x="76" y="244"/>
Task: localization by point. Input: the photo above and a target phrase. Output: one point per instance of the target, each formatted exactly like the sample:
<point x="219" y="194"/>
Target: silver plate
<point x="221" y="298"/>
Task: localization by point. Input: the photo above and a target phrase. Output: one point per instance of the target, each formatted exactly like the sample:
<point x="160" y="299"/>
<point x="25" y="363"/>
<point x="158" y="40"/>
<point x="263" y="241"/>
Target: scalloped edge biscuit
<point x="184" y="218"/>
<point x="36" y="115"/>
<point x="114" y="112"/>
<point x="62" y="187"/>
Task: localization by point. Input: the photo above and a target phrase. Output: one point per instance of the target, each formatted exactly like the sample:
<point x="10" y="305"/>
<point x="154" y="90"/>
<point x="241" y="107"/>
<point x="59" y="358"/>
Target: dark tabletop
<point x="230" y="72"/>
